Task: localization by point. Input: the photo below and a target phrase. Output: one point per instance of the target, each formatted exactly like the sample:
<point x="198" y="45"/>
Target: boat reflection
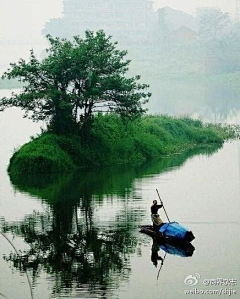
<point x="182" y="249"/>
<point x="185" y="249"/>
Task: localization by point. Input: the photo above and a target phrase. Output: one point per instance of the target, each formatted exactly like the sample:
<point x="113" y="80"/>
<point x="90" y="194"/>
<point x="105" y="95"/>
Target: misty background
<point x="187" y="51"/>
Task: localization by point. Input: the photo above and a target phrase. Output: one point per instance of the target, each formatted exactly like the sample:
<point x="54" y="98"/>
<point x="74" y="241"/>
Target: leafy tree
<point x="212" y="24"/>
<point x="77" y="79"/>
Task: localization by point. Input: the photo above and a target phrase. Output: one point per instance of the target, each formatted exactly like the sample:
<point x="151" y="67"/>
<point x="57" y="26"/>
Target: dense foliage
<point x="77" y="79"/>
<point x="113" y="141"/>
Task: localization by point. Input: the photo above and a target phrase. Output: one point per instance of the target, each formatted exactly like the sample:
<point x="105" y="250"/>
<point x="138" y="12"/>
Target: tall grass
<point x="114" y="141"/>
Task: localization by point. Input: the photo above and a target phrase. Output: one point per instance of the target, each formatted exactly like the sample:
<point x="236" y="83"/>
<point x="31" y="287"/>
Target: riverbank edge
<point x="113" y="141"/>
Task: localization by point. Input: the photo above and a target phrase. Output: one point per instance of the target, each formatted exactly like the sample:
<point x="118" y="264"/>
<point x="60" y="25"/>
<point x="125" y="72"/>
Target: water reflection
<point x="97" y="184"/>
<point x="89" y="229"/>
<point x="155" y="257"/>
<point x="160" y="249"/>
<point x="182" y="250"/>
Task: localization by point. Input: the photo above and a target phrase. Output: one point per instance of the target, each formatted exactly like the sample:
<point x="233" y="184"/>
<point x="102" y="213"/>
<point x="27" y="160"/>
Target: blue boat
<point x="172" y="232"/>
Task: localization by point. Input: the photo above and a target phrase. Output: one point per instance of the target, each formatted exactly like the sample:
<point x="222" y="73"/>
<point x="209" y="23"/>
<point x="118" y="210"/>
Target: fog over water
<point x="79" y="232"/>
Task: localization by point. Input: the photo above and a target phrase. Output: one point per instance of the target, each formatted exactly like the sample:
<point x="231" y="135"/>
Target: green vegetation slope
<point x="113" y="141"/>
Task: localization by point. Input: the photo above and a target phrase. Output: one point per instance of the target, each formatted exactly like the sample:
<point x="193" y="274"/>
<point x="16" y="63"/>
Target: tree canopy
<point x="77" y="79"/>
<point x="213" y="23"/>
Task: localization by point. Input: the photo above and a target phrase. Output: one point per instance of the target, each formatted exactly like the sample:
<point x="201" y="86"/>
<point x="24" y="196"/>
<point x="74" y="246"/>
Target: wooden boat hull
<point x="149" y="230"/>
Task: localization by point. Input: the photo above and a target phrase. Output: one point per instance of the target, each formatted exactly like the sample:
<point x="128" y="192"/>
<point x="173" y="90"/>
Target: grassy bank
<point x="114" y="142"/>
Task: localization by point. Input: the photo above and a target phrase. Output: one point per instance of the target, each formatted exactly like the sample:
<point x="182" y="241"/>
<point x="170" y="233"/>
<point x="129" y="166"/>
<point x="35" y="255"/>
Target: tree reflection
<point x="70" y="240"/>
<point x="73" y="249"/>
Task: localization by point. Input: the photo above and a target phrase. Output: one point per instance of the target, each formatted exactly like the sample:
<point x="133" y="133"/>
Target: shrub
<point x="114" y="141"/>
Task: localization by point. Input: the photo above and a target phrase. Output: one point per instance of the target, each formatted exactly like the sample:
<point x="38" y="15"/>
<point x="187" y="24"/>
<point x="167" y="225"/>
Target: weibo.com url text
<point x="223" y="291"/>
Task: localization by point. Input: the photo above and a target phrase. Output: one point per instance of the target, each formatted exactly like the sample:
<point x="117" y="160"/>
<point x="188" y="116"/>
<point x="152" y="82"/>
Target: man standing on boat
<point x="157" y="221"/>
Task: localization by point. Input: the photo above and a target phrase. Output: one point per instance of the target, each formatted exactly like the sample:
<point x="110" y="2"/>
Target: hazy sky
<point x="24" y="19"/>
<point x="190" y="5"/>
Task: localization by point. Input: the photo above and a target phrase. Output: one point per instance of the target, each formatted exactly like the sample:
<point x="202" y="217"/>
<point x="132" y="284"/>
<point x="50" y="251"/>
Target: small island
<point x="94" y="113"/>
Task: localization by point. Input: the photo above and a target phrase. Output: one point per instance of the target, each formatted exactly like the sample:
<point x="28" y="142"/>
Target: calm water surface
<point x="78" y="234"/>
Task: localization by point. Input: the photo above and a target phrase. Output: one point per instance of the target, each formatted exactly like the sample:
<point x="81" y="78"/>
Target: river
<point x="78" y="234"/>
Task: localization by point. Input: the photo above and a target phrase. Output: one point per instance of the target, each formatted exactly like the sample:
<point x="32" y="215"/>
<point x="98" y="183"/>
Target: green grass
<point x="113" y="141"/>
<point x="42" y="155"/>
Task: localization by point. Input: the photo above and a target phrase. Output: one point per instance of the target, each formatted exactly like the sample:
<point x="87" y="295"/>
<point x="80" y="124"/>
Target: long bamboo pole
<point x="161" y="265"/>
<point x="163" y="205"/>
